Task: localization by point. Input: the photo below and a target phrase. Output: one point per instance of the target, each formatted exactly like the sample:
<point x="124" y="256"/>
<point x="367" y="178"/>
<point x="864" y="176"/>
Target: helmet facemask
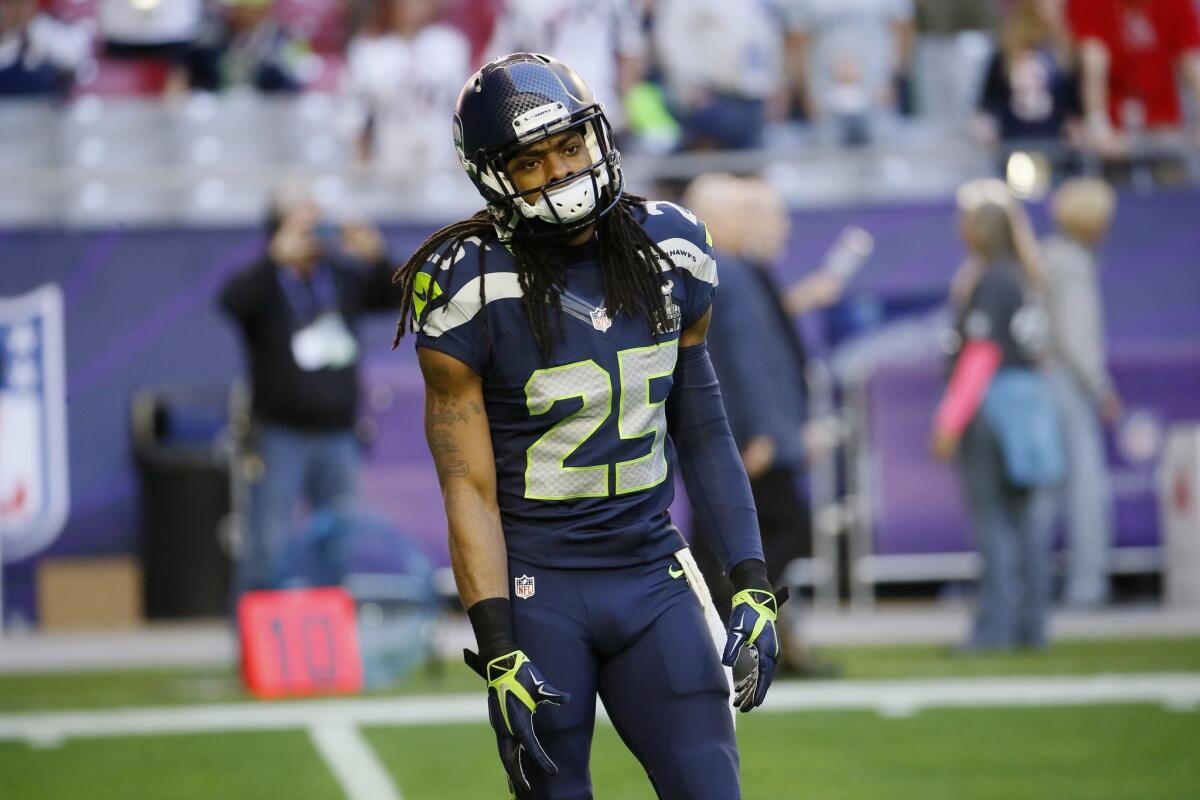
<point x="559" y="207"/>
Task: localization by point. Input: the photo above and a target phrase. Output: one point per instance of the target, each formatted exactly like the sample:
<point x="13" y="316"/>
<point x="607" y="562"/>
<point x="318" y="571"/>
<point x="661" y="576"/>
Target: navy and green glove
<point x="515" y="689"/>
<point x="753" y="637"/>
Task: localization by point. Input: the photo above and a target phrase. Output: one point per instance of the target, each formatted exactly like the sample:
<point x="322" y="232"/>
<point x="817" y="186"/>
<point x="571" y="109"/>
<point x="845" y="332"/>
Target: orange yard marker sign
<point x="299" y="642"/>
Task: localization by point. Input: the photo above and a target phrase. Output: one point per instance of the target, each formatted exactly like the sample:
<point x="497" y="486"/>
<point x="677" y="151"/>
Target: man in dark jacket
<point x="296" y="309"/>
<point x="760" y="360"/>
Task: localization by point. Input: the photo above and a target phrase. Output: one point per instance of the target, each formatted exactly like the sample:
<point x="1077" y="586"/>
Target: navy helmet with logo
<point x="514" y="102"/>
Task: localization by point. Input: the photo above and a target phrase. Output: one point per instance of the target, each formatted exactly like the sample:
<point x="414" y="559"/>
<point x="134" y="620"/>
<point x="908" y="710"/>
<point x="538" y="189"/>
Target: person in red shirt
<point x="1130" y="50"/>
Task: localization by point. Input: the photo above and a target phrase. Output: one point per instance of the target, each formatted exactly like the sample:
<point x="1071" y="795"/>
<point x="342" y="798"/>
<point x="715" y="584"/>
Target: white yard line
<point x="900" y="698"/>
<point x="1176" y="691"/>
<point x="353" y="762"/>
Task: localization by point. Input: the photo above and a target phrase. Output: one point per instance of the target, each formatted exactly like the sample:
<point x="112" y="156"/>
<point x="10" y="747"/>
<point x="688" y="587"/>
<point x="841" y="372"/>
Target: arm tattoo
<point x="443" y="444"/>
<point x="446" y="417"/>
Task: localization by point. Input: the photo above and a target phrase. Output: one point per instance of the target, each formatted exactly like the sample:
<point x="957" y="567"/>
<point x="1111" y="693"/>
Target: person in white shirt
<point x="1083" y="210"/>
<point x="135" y="26"/>
<point x="39" y="55"/>
<point x="722" y="61"/>
<point x="403" y="75"/>
<point x="601" y="39"/>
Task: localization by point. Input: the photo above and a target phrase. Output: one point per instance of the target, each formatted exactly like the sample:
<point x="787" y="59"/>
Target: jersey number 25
<point x="546" y="475"/>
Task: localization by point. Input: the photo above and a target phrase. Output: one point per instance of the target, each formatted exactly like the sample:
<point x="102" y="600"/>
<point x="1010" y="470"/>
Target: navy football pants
<point x="637" y="637"/>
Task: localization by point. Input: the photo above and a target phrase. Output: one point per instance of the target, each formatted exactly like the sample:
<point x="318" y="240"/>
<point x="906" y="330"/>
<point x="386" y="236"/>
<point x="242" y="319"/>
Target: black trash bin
<point x="184" y="487"/>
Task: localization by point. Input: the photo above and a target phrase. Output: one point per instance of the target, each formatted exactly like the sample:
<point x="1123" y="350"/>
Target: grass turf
<point x="21" y="693"/>
<point x="180" y="767"/>
<point x="1068" y="753"/>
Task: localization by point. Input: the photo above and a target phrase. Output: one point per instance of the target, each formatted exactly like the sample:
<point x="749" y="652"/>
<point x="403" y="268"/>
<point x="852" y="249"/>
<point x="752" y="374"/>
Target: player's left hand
<point x="515" y="689"/>
<point x="752" y="628"/>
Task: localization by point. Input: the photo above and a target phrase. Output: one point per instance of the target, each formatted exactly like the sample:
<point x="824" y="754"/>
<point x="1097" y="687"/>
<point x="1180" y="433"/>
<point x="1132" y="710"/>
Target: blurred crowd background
<point x="190" y="110"/>
<point x="837" y="148"/>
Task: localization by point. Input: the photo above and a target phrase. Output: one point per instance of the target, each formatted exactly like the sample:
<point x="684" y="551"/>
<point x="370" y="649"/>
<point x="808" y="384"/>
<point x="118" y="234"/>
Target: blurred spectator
<point x="1000" y="407"/>
<point x="601" y="39"/>
<point x="854" y="56"/>
<point x="753" y="336"/>
<point x="953" y="45"/>
<point x="1130" y="51"/>
<point x="139" y="28"/>
<point x="722" y="61"/>
<point x="1083" y="210"/>
<point x="403" y="76"/>
<point x="1030" y="90"/>
<point x="39" y="55"/>
<point x="242" y="46"/>
<point x="296" y="310"/>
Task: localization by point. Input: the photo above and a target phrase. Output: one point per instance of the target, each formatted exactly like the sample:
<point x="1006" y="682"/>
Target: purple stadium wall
<point x="140" y="312"/>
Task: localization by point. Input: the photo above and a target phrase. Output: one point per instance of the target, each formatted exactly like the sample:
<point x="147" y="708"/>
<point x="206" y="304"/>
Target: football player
<point x="561" y="335"/>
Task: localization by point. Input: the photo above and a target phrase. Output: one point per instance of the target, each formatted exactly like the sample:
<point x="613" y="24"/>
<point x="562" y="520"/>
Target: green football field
<point x="1137" y="751"/>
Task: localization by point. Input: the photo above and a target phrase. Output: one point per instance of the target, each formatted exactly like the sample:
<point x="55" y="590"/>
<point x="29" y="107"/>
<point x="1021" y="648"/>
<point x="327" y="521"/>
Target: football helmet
<point x="514" y="102"/>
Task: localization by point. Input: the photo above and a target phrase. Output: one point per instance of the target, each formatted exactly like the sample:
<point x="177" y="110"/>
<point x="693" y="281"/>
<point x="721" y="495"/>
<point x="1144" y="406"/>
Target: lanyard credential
<point x="309" y="299"/>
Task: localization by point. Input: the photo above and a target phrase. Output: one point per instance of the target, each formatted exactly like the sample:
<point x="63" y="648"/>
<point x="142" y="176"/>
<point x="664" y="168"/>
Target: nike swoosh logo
<point x="420" y="296"/>
<point x="671" y="571"/>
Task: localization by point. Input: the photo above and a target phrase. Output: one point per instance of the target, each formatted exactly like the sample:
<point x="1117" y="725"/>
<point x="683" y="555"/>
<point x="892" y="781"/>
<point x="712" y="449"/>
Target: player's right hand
<point x="515" y="689"/>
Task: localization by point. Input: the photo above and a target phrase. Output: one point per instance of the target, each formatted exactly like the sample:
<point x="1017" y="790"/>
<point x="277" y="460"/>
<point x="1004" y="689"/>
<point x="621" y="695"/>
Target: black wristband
<point x="750" y="574"/>
<point x="492" y="621"/>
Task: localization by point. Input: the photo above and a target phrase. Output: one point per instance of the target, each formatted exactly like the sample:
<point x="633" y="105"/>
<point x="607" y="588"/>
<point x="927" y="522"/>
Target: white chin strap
<point x="566" y="204"/>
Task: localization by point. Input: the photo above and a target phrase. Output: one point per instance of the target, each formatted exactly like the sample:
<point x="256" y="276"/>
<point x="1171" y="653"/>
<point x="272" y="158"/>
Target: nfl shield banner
<point x="33" y="436"/>
<point x="600" y="319"/>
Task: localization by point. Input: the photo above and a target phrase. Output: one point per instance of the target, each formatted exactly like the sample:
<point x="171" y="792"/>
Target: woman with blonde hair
<point x="1083" y="210"/>
<point x="1031" y="90"/>
<point x="998" y="417"/>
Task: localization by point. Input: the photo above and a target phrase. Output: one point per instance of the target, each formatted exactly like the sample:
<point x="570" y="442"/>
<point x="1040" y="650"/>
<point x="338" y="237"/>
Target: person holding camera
<point x="296" y="309"/>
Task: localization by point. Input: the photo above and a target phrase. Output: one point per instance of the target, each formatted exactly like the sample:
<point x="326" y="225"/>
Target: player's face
<point x="551" y="159"/>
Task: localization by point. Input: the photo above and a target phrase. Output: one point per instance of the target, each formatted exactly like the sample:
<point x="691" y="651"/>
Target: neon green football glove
<point x="752" y="626"/>
<point x="515" y="689"/>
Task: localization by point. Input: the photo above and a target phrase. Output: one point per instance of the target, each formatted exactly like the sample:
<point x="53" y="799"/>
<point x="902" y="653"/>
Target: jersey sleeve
<point x="447" y="307"/>
<point x="687" y="242"/>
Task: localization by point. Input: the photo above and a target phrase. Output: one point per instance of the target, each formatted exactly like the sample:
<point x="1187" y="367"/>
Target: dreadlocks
<point x="629" y="262"/>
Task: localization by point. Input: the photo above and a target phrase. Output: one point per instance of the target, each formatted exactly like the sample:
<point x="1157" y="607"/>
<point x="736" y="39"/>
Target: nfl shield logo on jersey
<point x="524" y="587"/>
<point x="33" y="440"/>
<point x="600" y="320"/>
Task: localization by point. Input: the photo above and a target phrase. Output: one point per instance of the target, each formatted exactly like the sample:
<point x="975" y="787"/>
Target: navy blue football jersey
<point x="583" y="459"/>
